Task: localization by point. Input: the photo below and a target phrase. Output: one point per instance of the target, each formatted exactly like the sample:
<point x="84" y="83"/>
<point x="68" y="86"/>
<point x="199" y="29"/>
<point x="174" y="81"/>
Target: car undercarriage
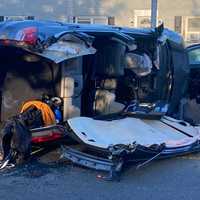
<point x="122" y="95"/>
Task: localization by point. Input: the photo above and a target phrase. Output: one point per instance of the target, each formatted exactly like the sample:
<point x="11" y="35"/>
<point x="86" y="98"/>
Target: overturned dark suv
<point x="122" y="94"/>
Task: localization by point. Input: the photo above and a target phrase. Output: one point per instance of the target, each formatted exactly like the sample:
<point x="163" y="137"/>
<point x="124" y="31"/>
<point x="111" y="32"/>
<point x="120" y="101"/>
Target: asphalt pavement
<point x="48" y="179"/>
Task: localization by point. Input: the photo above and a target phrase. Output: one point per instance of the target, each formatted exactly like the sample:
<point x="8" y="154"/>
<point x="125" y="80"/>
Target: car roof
<point x="50" y="28"/>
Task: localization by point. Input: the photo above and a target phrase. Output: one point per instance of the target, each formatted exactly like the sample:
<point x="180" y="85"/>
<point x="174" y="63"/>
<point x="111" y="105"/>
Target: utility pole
<point x="70" y="10"/>
<point x="154" y="10"/>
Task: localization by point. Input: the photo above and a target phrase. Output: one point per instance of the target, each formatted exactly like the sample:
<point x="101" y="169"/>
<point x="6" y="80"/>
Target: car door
<point x="193" y="53"/>
<point x="192" y="105"/>
<point x="194" y="56"/>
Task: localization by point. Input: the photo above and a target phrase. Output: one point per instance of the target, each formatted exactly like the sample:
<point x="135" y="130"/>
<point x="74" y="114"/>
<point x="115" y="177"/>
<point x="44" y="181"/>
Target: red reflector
<point x="28" y="35"/>
<point x="47" y="138"/>
<point x="6" y="42"/>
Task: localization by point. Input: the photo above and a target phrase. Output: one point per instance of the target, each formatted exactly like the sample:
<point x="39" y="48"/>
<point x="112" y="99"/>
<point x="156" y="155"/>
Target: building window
<point x="142" y="19"/>
<point x="92" y="20"/>
<point x="192" y="29"/>
<point x="194" y="24"/>
<point x="16" y="17"/>
<point x="83" y="20"/>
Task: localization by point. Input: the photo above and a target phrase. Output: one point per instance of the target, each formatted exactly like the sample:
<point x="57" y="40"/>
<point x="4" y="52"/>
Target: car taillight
<point x="47" y="138"/>
<point x="6" y="42"/>
<point x="28" y="35"/>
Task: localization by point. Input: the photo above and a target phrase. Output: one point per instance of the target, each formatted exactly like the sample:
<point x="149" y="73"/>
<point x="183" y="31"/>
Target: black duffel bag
<point x="15" y="136"/>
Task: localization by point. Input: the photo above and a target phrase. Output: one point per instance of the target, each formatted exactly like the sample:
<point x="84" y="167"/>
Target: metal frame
<point x="120" y="155"/>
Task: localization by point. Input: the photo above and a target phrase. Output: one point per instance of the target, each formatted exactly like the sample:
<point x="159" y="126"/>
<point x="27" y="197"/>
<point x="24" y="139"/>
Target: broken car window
<point x="141" y="65"/>
<point x="194" y="56"/>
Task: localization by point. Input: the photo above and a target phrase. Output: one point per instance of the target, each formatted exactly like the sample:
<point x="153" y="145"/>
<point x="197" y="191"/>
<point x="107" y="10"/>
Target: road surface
<point x="45" y="179"/>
